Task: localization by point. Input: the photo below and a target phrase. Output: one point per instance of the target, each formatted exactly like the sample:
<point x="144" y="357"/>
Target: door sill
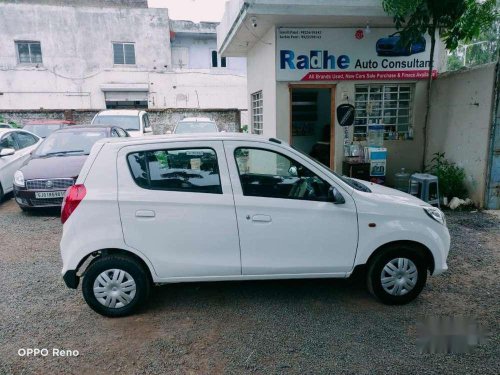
<point x="251" y="277"/>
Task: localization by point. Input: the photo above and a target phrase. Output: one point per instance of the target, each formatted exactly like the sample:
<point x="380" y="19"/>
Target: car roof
<point x="193" y="137"/>
<point x="49" y="122"/>
<point x="196" y="119"/>
<point x="120" y="112"/>
<point x="86" y="127"/>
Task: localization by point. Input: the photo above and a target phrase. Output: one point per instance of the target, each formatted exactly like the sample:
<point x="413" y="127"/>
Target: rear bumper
<point x="70" y="279"/>
<point x="26" y="198"/>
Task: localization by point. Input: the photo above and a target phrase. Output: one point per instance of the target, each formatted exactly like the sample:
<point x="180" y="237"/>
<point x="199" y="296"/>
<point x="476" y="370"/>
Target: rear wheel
<point x="397" y="275"/>
<point x="115" y="285"/>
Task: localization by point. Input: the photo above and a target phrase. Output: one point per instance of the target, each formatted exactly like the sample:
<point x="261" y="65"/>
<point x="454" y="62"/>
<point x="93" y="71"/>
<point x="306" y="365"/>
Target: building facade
<point x="92" y="55"/>
<point x="305" y="58"/>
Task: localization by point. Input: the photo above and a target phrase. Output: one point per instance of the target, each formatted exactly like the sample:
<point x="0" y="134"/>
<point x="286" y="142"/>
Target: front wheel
<point x="115" y="285"/>
<point x="397" y="275"/>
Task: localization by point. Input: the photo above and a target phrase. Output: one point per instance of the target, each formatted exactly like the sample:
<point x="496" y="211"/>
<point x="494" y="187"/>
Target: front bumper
<point x="27" y="198"/>
<point x="70" y="279"/>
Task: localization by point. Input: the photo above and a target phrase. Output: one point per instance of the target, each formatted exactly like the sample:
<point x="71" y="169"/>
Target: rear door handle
<point x="145" y="213"/>
<point x="261" y="218"/>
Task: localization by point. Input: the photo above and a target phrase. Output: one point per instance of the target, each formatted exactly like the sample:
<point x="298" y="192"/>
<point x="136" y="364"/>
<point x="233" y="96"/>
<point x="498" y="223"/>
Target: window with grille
<point x="124" y="53"/>
<point x="29" y="52"/>
<point x="386" y="104"/>
<point x="257" y="113"/>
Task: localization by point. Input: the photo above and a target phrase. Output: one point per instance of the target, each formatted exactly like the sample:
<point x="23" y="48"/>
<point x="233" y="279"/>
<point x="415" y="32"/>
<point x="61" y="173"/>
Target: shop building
<point x="305" y="58"/>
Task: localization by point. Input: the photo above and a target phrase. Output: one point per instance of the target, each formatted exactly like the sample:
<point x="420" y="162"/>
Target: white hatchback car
<point x="135" y="122"/>
<point x="16" y="146"/>
<point x="236" y="207"/>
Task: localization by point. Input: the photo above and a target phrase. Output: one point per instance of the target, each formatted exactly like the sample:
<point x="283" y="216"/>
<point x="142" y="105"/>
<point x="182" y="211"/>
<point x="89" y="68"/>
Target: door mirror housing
<point x="334" y="196"/>
<point x="7" y="152"/>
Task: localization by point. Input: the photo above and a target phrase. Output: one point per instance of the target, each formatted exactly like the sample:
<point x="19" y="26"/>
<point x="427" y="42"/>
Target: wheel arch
<point x="86" y="261"/>
<point x="427" y="253"/>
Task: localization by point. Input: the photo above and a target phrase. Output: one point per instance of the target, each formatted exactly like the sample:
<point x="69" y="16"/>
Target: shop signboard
<point x="333" y="54"/>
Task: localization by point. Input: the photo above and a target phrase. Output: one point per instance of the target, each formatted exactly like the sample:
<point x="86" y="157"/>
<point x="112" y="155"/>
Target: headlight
<point x="436" y="214"/>
<point x="19" y="179"/>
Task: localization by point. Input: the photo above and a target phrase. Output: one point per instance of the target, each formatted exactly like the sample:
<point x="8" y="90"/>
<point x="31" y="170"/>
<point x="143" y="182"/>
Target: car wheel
<point x="115" y="285"/>
<point x="397" y="275"/>
<point x="1" y="194"/>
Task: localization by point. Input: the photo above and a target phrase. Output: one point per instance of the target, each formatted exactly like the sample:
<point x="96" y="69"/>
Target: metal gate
<point x="493" y="189"/>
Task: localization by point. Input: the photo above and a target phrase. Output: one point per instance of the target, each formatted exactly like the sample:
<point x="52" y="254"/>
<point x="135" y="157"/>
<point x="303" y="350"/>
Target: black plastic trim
<point x="70" y="279"/>
<point x="275" y="140"/>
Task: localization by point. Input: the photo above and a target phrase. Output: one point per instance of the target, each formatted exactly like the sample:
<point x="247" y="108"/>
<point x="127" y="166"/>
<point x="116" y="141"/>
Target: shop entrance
<point x="312" y="121"/>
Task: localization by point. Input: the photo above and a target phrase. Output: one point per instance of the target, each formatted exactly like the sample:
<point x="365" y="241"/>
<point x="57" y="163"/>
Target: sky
<point x="193" y="10"/>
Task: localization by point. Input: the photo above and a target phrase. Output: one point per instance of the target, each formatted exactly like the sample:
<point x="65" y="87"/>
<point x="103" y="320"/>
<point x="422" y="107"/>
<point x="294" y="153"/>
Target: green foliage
<point x="451" y="177"/>
<point x="13" y="123"/>
<point x="457" y="20"/>
<point x="482" y="50"/>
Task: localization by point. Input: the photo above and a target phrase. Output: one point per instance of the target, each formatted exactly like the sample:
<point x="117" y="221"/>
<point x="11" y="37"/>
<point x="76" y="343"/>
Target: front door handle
<point x="145" y="213"/>
<point x="261" y="218"/>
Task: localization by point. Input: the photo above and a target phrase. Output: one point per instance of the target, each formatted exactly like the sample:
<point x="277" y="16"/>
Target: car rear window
<point x="186" y="170"/>
<point x="196" y="127"/>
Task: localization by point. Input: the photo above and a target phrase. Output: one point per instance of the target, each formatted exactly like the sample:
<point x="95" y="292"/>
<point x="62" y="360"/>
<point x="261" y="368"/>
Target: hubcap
<point x="114" y="288"/>
<point x="399" y="276"/>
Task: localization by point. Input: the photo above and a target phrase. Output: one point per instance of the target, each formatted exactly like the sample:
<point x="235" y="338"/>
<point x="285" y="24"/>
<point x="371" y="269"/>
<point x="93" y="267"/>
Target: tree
<point x="482" y="50"/>
<point x="455" y="21"/>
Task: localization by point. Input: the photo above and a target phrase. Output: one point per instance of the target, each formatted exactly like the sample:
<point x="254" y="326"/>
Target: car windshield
<point x="42" y="130"/>
<point x="129" y="123"/>
<point x="196" y="127"/>
<point x="4" y="126"/>
<point x="349" y="181"/>
<point x="69" y="143"/>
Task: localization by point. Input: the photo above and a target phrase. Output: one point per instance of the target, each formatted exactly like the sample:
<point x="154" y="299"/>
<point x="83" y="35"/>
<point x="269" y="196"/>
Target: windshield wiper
<point x="62" y="153"/>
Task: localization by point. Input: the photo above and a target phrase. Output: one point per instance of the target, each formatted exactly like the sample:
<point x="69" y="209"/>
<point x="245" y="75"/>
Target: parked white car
<point x="236" y="207"/>
<point x="191" y="125"/>
<point x="15" y="148"/>
<point x="135" y="122"/>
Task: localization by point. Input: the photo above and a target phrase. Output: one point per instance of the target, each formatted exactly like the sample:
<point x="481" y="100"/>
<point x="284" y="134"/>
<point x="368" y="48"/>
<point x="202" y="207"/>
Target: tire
<point x="123" y="273"/>
<point x="404" y="279"/>
<point x="1" y="194"/>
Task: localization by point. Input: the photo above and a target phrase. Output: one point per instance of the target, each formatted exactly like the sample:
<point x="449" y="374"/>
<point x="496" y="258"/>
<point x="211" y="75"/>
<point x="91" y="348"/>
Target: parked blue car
<point x="392" y="46"/>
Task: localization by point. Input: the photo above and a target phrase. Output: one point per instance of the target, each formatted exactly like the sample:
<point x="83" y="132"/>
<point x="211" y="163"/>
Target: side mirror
<point x="293" y="172"/>
<point x="169" y="132"/>
<point x="7" y="152"/>
<point x="335" y="196"/>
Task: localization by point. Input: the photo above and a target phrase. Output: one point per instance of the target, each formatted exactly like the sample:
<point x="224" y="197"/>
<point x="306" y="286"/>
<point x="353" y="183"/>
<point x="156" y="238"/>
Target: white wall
<point x="261" y="63"/>
<point x="460" y="123"/>
<point x="200" y="54"/>
<point x="78" y="59"/>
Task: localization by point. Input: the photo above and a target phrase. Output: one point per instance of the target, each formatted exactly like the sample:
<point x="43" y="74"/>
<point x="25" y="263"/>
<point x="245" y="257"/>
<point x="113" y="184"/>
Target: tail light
<point x="74" y="195"/>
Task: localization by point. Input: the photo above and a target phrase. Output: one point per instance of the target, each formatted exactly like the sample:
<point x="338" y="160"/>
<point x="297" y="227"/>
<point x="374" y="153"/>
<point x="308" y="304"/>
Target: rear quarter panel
<point x="95" y="224"/>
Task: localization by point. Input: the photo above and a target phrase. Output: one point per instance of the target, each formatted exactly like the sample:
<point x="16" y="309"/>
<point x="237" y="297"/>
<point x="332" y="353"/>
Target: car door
<point x="176" y="207"/>
<point x="287" y="222"/>
<point x="9" y="164"/>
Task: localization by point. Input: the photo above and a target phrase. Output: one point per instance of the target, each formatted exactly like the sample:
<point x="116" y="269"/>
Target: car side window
<point x="186" y="170"/>
<point x="8" y="141"/>
<point x="25" y="139"/>
<point x="114" y="132"/>
<point x="265" y="173"/>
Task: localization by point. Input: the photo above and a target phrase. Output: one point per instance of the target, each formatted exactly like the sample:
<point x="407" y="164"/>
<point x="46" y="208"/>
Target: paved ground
<point x="297" y="327"/>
